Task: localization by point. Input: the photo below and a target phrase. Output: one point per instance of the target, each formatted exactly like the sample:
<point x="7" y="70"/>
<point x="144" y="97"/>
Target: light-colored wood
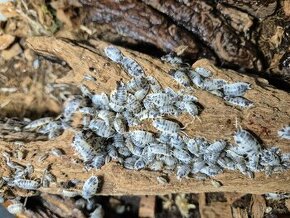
<point x="217" y="120"/>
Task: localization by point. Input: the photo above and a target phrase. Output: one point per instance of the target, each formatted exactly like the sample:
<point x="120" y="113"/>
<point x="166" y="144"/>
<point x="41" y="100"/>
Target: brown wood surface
<point x="217" y="120"/>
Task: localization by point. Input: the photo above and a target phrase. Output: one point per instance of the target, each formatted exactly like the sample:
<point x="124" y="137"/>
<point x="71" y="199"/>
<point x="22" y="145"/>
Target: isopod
<point x="132" y="67"/>
<point x="114" y="54"/>
<point x="26" y="184"/>
<point x="181" y="77"/>
<point x="90" y="187"/>
<point x="203" y="72"/>
<point x="101" y="101"/>
<point x="284" y="133"/>
<point x="246" y="142"/>
<point x="83" y="148"/>
<point x="239" y="101"/>
<point x="166" y="126"/>
<point x="38" y="123"/>
<point x="236" y="89"/>
<point x="101" y="128"/>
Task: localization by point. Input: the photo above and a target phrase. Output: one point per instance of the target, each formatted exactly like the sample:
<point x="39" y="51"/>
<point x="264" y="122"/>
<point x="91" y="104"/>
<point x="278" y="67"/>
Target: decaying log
<point x="136" y="20"/>
<point x="217" y="120"/>
<point x="200" y="18"/>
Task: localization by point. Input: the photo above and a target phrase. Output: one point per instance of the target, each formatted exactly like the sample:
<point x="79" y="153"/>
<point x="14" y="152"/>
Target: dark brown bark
<point x="257" y="8"/>
<point x="200" y="18"/>
<point x="136" y="20"/>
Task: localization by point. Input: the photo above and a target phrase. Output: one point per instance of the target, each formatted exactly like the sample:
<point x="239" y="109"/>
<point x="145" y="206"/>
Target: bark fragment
<point x="257" y="8"/>
<point x="200" y="18"/>
<point x="136" y="20"/>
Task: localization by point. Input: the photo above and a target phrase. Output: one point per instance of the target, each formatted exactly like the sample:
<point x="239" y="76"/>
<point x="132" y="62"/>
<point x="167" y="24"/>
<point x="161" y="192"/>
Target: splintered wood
<point x="216" y="121"/>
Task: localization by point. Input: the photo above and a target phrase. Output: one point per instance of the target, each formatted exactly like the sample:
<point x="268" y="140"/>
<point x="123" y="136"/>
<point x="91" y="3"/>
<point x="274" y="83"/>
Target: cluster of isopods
<point x="104" y="134"/>
<point x="202" y="78"/>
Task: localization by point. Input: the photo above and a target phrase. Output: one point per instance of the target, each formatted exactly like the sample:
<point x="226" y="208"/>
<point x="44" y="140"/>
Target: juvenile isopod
<point x="172" y="59"/>
<point x="183" y="171"/>
<point x="38" y="123"/>
<point x="90" y="187"/>
<point x="26" y="184"/>
<point x="162" y="180"/>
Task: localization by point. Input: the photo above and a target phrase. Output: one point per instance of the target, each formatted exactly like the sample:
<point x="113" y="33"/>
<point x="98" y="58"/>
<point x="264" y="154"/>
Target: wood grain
<point x="217" y="120"/>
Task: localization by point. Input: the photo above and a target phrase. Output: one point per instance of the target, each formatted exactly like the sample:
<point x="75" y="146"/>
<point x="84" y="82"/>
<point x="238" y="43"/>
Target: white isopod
<point x="156" y="165"/>
<point x="183" y="171"/>
<point x="90" y="187"/>
<point x="101" y="128"/>
<point x="156" y="148"/>
<point x="213" y="84"/>
<point x="107" y="116"/>
<point x="211" y="170"/>
<point x="141" y="93"/>
<point x="136" y="83"/>
<point x="190" y="108"/>
<point x="246" y="142"/>
<point x="120" y="124"/>
<point x="132" y="67"/>
<point x="148" y="114"/>
<point x="160" y="99"/>
<point x="169" y="110"/>
<point x="166" y="126"/>
<point x="239" y="102"/>
<point x="139" y="164"/>
<point x="38" y="123"/>
<point x="203" y="72"/>
<point x="82" y="147"/>
<point x="85" y="91"/>
<point x="119" y="96"/>
<point x="181" y="77"/>
<point x="114" y="54"/>
<point x="284" y="132"/>
<point x="171" y="59"/>
<point x="101" y="101"/>
<point x="236" y="89"/>
<point x="182" y="155"/>
<point x="133" y="105"/>
<point x="26" y="184"/>
<point x="143" y="137"/>
<point x="71" y="106"/>
<point x="154" y="84"/>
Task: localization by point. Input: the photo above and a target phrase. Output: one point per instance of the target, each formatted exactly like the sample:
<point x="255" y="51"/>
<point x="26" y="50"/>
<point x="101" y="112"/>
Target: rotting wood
<point x="217" y="120"/>
<point x="134" y="19"/>
<point x="200" y="18"/>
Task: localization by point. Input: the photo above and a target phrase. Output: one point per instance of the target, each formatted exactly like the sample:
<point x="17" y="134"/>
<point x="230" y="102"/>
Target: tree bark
<point x="217" y="121"/>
